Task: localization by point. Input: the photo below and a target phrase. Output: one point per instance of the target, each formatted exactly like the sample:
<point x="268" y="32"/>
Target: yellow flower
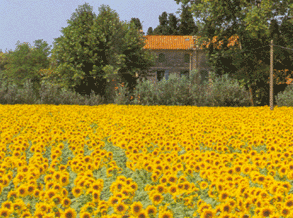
<point x="157" y="198"/>
<point x="77" y="191"/>
<point x="69" y="212"/>
<point x="136" y="208"/>
<point x="151" y="210"/>
<point x="66" y="202"/>
<point x="203" y="185"/>
<point x="120" y="208"/>
<point x="165" y="214"/>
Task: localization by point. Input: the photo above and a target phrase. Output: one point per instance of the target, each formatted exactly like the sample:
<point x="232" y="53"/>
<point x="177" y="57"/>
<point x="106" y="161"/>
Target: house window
<point x="186" y="58"/>
<point x="184" y="73"/>
<point x="161" y="57"/>
<point x="160" y="74"/>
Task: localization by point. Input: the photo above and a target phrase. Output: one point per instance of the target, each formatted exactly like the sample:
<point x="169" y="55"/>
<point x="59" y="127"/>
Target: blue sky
<point x="29" y="20"/>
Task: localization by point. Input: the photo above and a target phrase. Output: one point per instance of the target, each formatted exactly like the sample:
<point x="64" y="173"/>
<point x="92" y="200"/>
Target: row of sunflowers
<point x="114" y="161"/>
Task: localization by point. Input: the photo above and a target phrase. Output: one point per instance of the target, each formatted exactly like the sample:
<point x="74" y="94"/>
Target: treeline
<point x="95" y="49"/>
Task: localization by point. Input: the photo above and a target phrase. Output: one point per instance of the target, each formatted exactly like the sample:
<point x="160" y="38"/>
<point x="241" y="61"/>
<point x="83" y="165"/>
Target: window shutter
<point x="161" y="57"/>
<point x="186" y="58"/>
<point x="167" y="74"/>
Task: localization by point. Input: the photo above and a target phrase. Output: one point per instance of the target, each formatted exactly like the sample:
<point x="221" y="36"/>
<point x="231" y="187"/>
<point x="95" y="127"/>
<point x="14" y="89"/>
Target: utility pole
<point x="271" y="79"/>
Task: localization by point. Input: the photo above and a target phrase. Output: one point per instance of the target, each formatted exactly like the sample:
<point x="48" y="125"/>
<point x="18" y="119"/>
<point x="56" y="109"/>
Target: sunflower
<point x="120" y="208"/>
<point x="136" y="208"/>
<point x="66" y="202"/>
<point x="285" y="211"/>
<point x="77" y="191"/>
<point x="161" y="189"/>
<point x="134" y="186"/>
<point x="203" y="185"/>
<point x="57" y="199"/>
<point x="30" y="189"/>
<point x="64" y="180"/>
<point x="151" y="210"/>
<point x="38" y="214"/>
<point x="142" y="214"/>
<point x="226" y="208"/>
<point x="266" y="211"/>
<point x="289" y="203"/>
<point x="96" y="196"/>
<point x="69" y="212"/>
<point x="172" y="189"/>
<point x="97" y="186"/>
<point x="12" y="194"/>
<point x="223" y="196"/>
<point x="157" y="198"/>
<point x="165" y="214"/>
<point x="26" y="214"/>
<point x="208" y="213"/>
<point x="155" y="178"/>
<point x="113" y="200"/>
<point x="22" y="190"/>
<point x="163" y="180"/>
<point x="172" y="179"/>
<point x="8" y="205"/>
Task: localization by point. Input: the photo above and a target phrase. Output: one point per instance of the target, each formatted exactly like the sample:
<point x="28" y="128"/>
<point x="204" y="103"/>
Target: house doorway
<point x="160" y="74"/>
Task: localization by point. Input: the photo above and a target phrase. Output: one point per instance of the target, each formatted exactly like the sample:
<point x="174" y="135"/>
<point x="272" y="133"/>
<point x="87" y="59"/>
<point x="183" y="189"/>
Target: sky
<point x="31" y="20"/>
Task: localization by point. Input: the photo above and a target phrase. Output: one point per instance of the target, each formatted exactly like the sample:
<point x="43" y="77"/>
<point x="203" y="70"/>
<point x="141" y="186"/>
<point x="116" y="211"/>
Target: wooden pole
<point x="271" y="79"/>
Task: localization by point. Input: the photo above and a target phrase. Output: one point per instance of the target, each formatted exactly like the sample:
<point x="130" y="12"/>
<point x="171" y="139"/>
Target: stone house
<point x="176" y="56"/>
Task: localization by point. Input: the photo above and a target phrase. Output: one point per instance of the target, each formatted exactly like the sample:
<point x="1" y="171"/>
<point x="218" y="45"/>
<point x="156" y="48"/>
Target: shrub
<point x="54" y="94"/>
<point x="285" y="98"/>
<point x="12" y="94"/>
<point x="174" y="91"/>
<point x="227" y="92"/>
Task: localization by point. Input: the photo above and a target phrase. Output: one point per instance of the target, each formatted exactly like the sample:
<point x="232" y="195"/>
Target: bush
<point x="175" y="91"/>
<point x="227" y="92"/>
<point x="285" y="98"/>
<point x="12" y="94"/>
<point x="49" y="94"/>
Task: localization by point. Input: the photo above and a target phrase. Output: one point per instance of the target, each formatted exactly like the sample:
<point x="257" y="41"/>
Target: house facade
<point x="175" y="56"/>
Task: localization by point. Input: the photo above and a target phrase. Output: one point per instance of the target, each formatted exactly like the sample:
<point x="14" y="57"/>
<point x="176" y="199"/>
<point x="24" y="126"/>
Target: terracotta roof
<point x="178" y="42"/>
<point x="168" y="42"/>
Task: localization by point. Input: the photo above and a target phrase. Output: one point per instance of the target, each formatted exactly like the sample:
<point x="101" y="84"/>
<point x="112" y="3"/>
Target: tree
<point x="150" y="31"/>
<point x="187" y="25"/>
<point x="248" y="20"/>
<point x="24" y="63"/>
<point x="94" y="50"/>
<point x="173" y="24"/>
<point x="163" y="28"/>
<point x="137" y="23"/>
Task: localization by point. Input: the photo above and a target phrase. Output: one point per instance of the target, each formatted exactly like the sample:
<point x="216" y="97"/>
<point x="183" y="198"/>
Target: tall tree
<point x="94" y="50"/>
<point x="248" y="20"/>
<point x="137" y="23"/>
<point x="163" y="28"/>
<point x="25" y="62"/>
<point x="187" y="25"/>
<point x="173" y="24"/>
<point x="150" y="31"/>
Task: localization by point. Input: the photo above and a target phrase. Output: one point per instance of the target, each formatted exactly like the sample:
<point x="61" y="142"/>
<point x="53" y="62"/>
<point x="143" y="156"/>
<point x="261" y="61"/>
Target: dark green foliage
<point x="95" y="49"/>
<point x="137" y="23"/>
<point x="150" y="31"/>
<point x="187" y="25"/>
<point x="173" y="24"/>
<point x="24" y="64"/>
<point x="163" y="28"/>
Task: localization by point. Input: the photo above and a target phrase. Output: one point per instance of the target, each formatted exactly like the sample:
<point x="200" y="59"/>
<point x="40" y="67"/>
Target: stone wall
<point x="177" y="63"/>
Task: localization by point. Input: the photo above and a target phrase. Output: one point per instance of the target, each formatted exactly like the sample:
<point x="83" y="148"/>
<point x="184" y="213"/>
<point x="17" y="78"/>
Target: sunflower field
<point x="132" y="161"/>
